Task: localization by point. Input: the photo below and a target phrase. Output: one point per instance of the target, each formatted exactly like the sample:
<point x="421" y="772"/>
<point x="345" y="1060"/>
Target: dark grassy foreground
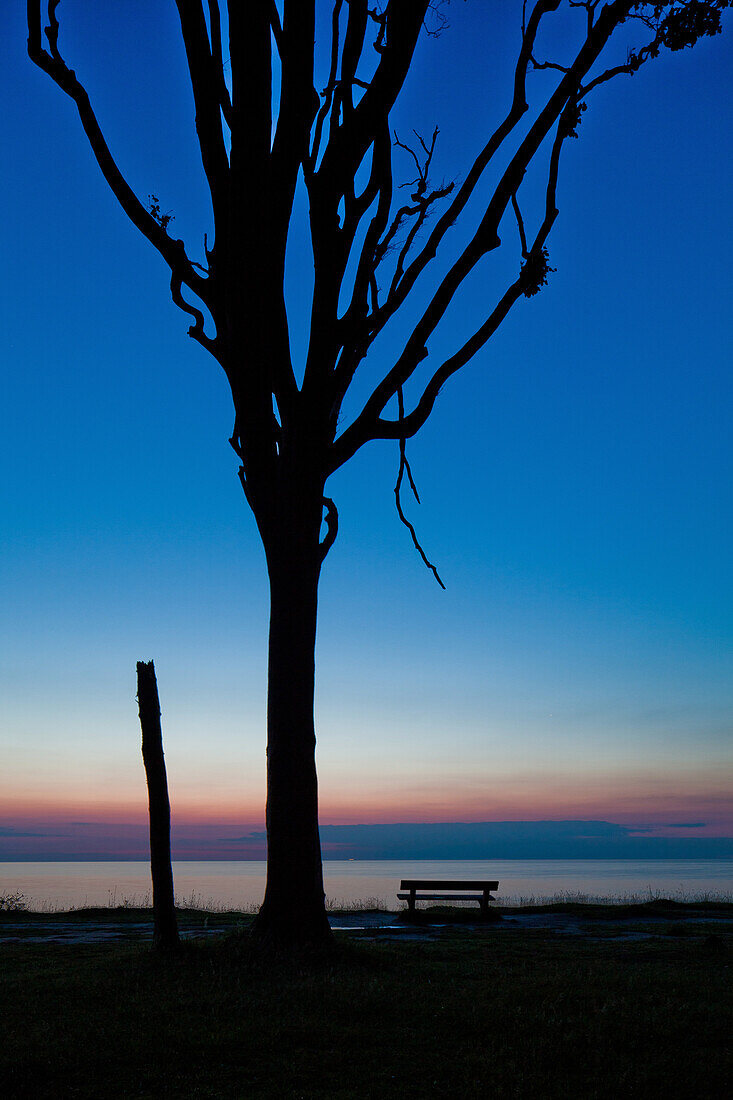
<point x="469" y="1014"/>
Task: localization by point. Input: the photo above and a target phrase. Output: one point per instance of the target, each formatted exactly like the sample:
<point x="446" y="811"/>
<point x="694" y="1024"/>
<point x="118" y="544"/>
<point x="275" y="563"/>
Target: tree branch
<point x="298" y="107"/>
<point x="196" y="331"/>
<point x="206" y="86"/>
<point x="400" y="288"/>
<point x="378" y="237"/>
<point x="517" y="109"/>
<point x="217" y="55"/>
<point x="405" y="468"/>
<point x="348" y="146"/>
<point x="407" y="425"/>
<point x="520" y="224"/>
<point x="486" y="236"/>
<point x="252" y="237"/>
<point x="172" y="251"/>
<point x="328" y="91"/>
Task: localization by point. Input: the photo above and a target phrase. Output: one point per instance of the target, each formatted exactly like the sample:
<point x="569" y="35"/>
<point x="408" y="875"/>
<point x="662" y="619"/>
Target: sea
<point x="354" y="883"/>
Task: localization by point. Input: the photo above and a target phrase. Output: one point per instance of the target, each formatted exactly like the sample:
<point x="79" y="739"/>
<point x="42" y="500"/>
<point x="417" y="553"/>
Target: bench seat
<point x="445" y="897"/>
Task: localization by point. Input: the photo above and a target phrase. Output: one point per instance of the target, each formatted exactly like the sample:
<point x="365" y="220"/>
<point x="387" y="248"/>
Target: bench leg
<point x="411" y="902"/>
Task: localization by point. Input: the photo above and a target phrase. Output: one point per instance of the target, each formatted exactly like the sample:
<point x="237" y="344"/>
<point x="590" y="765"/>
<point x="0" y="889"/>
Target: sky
<point x="575" y="483"/>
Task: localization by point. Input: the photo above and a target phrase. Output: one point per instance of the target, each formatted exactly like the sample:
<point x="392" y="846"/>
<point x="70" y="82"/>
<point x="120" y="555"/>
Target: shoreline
<point x="620" y="920"/>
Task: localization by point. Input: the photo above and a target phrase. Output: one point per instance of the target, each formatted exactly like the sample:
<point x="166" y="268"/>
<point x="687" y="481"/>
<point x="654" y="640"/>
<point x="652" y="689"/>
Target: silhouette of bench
<point x="480" y="891"/>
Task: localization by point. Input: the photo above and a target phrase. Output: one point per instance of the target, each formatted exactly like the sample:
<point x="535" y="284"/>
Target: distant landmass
<point x="576" y="839"/>
<point x="515" y="840"/>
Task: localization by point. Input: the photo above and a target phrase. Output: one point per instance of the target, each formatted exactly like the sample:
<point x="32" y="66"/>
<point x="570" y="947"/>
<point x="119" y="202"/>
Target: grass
<point x="18" y="903"/>
<point x="24" y="923"/>
<point x="361" y="905"/>
<point x="649" y="897"/>
<point x="471" y="1013"/>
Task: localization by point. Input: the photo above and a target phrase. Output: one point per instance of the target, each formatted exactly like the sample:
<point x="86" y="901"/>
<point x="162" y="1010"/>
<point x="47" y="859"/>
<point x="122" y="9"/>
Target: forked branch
<point x="532" y="275"/>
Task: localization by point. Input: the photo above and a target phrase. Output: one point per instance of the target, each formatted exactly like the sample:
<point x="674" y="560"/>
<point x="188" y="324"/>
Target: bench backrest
<point x="446" y="884"/>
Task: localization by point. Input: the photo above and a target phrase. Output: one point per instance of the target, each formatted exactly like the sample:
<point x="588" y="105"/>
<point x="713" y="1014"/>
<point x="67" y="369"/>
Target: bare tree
<point x="370" y="249"/>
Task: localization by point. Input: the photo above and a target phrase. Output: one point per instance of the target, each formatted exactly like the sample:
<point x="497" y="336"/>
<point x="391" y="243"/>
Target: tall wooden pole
<point x="165" y="934"/>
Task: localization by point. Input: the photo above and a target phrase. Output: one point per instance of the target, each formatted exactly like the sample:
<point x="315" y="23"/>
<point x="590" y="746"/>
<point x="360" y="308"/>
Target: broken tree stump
<point x="165" y="933"/>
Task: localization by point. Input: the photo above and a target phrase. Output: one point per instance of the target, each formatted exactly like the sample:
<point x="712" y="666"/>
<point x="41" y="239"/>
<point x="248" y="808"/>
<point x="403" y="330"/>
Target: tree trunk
<point x="293" y="911"/>
<point x="165" y="933"/>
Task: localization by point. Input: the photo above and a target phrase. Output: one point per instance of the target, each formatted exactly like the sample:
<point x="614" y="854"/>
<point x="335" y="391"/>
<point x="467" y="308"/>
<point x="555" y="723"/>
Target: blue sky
<point x="575" y="478"/>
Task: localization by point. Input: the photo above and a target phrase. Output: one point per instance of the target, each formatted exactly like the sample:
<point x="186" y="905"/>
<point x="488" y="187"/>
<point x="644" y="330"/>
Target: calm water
<point x="240" y="885"/>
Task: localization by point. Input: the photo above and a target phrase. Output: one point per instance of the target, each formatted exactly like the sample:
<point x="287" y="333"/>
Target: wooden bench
<point x="416" y="886"/>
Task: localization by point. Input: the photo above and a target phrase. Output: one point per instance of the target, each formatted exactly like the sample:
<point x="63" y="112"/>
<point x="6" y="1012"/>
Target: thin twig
<point x="405" y="469"/>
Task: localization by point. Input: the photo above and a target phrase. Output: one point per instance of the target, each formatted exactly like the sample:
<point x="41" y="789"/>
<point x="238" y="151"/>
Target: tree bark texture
<point x="293" y="910"/>
<point x="165" y="934"/>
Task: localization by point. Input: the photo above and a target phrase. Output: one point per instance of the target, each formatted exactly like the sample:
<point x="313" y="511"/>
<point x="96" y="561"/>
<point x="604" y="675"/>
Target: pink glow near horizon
<point x="656" y="801"/>
<point x="704" y="801"/>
